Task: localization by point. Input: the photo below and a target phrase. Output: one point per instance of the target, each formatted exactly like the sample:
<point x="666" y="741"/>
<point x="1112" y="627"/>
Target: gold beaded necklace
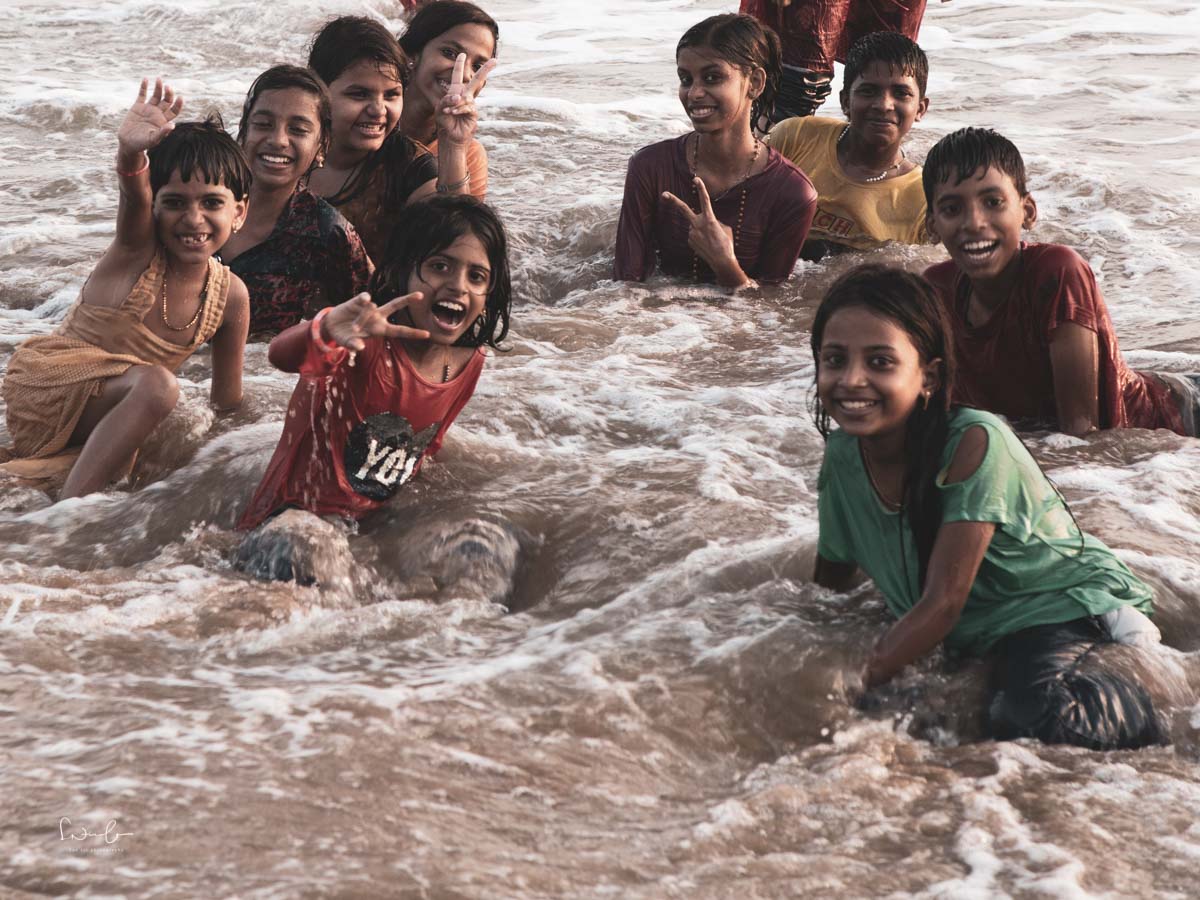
<point x="199" y="307"/>
<point x="737" y="228"/>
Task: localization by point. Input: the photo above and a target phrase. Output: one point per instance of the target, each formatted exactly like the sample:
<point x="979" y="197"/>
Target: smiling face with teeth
<point x="282" y="137"/>
<point x="980" y="221"/>
<point x="193" y="219"/>
<point x="434" y="64"/>
<point x="870" y="374"/>
<point x="715" y="93"/>
<point x="882" y="105"/>
<point x="367" y="101"/>
<point x="454" y="282"/>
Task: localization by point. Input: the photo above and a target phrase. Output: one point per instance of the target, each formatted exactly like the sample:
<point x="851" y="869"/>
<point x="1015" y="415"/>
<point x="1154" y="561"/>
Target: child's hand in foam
<point x="149" y="121"/>
<point x="351" y="323"/>
<point x="456" y="115"/>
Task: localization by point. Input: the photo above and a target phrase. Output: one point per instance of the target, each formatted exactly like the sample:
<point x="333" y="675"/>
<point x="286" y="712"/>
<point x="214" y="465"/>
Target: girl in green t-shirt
<point x="968" y="541"/>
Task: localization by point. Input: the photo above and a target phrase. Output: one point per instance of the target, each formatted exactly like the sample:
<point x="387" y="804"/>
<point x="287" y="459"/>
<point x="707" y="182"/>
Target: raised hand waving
<point x="351" y="323"/>
<point x="149" y="121"/>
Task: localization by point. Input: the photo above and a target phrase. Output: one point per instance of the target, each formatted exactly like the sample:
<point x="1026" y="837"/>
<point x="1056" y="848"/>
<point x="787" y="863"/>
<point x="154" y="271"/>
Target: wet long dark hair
<point x="741" y="41"/>
<point x="429" y="227"/>
<point x="435" y="19"/>
<point x="280" y="78"/>
<point x="201" y="150"/>
<point x="911" y="303"/>
<point x="341" y="43"/>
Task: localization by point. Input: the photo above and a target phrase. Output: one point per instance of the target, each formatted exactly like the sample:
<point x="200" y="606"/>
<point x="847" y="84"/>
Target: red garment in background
<point x="378" y="413"/>
<point x="1004" y="365"/>
<point x="814" y="33"/>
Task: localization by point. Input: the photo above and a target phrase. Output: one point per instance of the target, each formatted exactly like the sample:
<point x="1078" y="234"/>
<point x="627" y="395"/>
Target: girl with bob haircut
<point x="963" y="534"/>
<point x="296" y="253"/>
<point x="437" y="34"/>
<point x="383" y="375"/>
<point x="746" y="209"/>
<point x="81" y="401"/>
<point x="372" y="169"/>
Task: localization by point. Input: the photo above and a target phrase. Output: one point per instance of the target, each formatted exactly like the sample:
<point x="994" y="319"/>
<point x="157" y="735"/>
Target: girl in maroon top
<point x="296" y="252"/>
<point x="717" y="204"/>
<point x="376" y="397"/>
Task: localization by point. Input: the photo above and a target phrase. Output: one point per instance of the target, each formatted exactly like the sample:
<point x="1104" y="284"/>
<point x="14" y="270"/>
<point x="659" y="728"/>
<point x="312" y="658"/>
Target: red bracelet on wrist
<point x="319" y="342"/>
<point x="145" y="165"/>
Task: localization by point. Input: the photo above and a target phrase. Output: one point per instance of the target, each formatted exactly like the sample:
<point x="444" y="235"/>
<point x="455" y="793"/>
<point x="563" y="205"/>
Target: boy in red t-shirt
<point x="1033" y="337"/>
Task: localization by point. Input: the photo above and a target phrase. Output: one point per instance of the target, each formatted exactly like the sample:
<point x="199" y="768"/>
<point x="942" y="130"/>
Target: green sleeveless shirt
<point x="1039" y="568"/>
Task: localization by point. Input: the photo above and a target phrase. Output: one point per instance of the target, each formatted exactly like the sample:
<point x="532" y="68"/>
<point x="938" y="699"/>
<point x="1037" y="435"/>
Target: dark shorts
<point x="1045" y="686"/>
<point x="801" y="92"/>
<point x="1185" y="389"/>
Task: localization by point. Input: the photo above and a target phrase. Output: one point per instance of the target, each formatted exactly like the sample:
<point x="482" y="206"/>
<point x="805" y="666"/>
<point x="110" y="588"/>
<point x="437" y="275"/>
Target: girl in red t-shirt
<point x="384" y="374"/>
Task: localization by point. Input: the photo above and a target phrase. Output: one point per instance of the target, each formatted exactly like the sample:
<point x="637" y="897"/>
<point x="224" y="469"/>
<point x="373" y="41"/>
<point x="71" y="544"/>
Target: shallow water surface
<point x="666" y="708"/>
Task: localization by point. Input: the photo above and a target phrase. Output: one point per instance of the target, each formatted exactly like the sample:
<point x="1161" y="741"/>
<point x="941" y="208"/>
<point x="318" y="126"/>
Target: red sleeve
<point x="1065" y="288"/>
<point x="785" y="233"/>
<point x="635" y="246"/>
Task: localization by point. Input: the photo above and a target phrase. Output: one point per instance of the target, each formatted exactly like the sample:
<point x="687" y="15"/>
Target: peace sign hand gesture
<point x="456" y="115"/>
<point x="351" y="323"/>
<point x="149" y="121"/>
<point x="711" y="240"/>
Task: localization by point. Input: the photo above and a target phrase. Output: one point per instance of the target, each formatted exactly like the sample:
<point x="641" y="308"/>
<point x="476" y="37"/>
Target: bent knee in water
<point x="1055" y="687"/>
<point x="295" y="546"/>
<point x="157" y="389"/>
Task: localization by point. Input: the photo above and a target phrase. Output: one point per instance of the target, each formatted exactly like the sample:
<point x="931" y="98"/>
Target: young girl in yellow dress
<point x="82" y="400"/>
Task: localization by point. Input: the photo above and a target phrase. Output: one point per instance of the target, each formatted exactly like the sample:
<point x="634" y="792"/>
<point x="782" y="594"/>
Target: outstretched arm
<point x="957" y="554"/>
<point x="956" y="557"/>
<point x="228" y="348"/>
<point x="345" y="327"/>
<point x="1075" y="364"/>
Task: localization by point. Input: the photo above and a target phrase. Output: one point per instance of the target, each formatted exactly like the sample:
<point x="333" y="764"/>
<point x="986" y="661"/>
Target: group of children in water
<point x="353" y="195"/>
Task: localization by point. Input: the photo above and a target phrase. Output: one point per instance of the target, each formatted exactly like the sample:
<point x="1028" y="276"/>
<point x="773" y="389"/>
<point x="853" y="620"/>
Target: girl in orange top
<point x="437" y="35"/>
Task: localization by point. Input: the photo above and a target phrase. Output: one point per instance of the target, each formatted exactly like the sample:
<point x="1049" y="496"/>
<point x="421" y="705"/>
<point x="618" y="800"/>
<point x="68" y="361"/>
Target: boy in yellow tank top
<point x="868" y="191"/>
<point x="83" y="399"/>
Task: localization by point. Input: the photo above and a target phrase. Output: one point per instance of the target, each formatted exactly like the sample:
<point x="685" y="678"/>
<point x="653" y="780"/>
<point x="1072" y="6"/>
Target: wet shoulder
<point x="1043" y="260"/>
<point x="659" y="155"/>
<point x="786" y="182"/>
<point x="313" y="216"/>
<point x="1001" y="438"/>
<point x="328" y="219"/>
<point x="841" y="450"/>
<point x="942" y="276"/>
<point x="963" y="417"/>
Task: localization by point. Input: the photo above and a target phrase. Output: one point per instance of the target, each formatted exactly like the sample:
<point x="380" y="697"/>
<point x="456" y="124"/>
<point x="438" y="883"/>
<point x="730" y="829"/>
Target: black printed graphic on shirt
<point x="382" y="453"/>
